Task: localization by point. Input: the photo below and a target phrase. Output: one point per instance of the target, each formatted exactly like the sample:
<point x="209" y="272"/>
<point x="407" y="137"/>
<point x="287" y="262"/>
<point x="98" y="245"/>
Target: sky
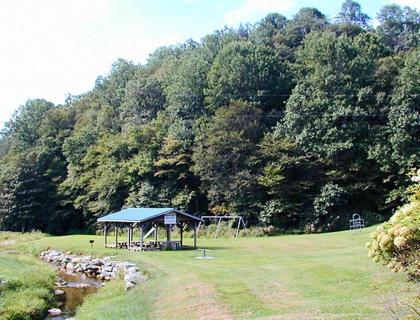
<point x="52" y="48"/>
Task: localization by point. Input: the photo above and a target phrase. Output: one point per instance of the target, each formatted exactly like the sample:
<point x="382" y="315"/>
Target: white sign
<point x="170" y="218"/>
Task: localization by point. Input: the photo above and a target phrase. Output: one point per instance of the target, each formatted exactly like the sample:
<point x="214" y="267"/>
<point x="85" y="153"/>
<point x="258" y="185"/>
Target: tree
<point x="245" y="71"/>
<point x="143" y="100"/>
<point x="185" y="82"/>
<point x="351" y="13"/>
<point x="332" y="111"/>
<point x="307" y="20"/>
<point x="289" y="178"/>
<point x="23" y="127"/>
<point x="265" y="31"/>
<point x="404" y="115"/>
<point x="399" y="27"/>
<point x="224" y="149"/>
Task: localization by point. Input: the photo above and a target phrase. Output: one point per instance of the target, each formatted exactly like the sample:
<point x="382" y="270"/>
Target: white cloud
<point x="252" y="9"/>
<point x="409" y="3"/>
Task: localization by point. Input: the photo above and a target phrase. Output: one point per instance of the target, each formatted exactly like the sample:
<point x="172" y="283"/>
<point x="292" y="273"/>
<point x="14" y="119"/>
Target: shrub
<point x="396" y="243"/>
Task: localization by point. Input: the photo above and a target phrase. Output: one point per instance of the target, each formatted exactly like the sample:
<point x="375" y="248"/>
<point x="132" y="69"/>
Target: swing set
<point x="219" y="221"/>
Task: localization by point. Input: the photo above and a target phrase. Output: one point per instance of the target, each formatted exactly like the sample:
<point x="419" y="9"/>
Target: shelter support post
<point x="141" y="236"/>
<point x="195" y="235"/>
<point x="168" y="232"/>
<point x="116" y="236"/>
<point x="181" y="229"/>
<point x="156" y="232"/>
<point x="129" y="236"/>
<point x="105" y="234"/>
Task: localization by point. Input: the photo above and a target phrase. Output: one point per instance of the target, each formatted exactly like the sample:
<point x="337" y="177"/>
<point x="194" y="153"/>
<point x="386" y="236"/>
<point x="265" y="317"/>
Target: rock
<point x="132" y="269"/>
<point x="136" y="278"/>
<point x="76" y="260"/>
<point x="97" y="262"/>
<point x="129" y="285"/>
<point x="54" y="312"/>
<point x="105" y="269"/>
<point x="70" y="266"/>
<point x="108" y="268"/>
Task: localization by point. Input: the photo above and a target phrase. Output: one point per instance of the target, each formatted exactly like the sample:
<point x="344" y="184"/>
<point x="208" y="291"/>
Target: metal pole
<point x="105" y="234"/>
<point x="218" y="228"/>
<point x="237" y="229"/>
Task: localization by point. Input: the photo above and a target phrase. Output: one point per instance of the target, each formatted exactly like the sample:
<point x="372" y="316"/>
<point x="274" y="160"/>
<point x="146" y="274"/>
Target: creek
<point x="76" y="287"/>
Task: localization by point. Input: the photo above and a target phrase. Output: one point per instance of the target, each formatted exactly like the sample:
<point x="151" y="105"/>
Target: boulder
<point x="129" y="285"/>
<point x="97" y="262"/>
<point x="54" y="311"/>
<point x="126" y="265"/>
<point x="70" y="266"/>
<point x="134" y="277"/>
<point x="76" y="260"/>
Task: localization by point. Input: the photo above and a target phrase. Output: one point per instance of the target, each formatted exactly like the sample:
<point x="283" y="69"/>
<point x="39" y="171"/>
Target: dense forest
<point x="295" y="123"/>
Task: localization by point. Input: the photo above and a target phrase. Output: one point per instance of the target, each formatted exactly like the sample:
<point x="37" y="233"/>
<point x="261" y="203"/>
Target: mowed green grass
<point x="321" y="276"/>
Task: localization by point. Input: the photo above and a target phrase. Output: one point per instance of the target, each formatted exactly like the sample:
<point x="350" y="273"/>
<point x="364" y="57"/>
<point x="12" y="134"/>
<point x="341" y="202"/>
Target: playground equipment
<point x="356" y="222"/>
<point x="219" y="221"/>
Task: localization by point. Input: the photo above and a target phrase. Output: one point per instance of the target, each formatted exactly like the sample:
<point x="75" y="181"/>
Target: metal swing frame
<point x="220" y="218"/>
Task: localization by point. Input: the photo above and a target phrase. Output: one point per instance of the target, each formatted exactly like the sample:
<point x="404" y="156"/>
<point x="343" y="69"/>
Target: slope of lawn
<point x="25" y="282"/>
<point x="322" y="276"/>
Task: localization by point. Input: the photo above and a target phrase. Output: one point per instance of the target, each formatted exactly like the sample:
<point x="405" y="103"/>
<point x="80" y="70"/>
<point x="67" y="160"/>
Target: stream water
<point x="76" y="287"/>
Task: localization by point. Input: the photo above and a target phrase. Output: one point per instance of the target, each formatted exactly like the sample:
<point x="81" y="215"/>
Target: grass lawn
<point x="26" y="283"/>
<point x="322" y="276"/>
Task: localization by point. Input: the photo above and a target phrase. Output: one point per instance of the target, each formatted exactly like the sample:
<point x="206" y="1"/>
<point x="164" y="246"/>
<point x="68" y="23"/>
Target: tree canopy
<point x="296" y="123"/>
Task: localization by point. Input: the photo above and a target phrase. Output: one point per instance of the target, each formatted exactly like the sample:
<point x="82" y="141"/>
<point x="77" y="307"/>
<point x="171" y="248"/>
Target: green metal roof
<point x="141" y="214"/>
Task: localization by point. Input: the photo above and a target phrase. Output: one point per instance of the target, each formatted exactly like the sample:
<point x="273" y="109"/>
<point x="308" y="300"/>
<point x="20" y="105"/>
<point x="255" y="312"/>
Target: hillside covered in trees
<point x="296" y="123"/>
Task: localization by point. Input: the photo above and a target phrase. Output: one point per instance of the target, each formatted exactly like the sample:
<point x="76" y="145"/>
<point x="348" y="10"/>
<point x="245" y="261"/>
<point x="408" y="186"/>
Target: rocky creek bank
<point x="101" y="268"/>
<point x="73" y="276"/>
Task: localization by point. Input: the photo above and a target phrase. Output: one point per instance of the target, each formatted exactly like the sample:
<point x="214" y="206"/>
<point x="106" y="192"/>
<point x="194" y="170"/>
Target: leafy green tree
<point x="224" y="149"/>
<point x="20" y="194"/>
<point x="23" y="127"/>
<point x="289" y="178"/>
<point x="266" y="30"/>
<point x="185" y="83"/>
<point x="143" y="99"/>
<point x="307" y="20"/>
<point x="404" y="115"/>
<point x="245" y="71"/>
<point x="399" y="27"/>
<point x="351" y="13"/>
